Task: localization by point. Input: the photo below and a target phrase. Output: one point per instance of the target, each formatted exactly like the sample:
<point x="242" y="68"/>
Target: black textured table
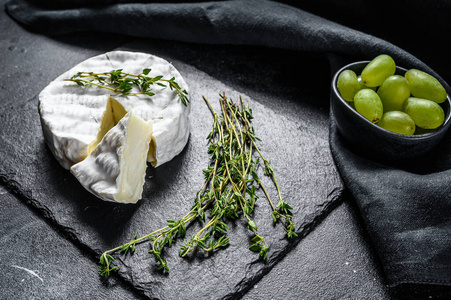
<point x="44" y="255"/>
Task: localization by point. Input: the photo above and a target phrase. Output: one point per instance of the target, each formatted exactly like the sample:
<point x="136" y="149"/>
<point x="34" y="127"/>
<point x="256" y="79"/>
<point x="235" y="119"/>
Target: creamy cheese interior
<point x="134" y="160"/>
<point x="113" y="114"/>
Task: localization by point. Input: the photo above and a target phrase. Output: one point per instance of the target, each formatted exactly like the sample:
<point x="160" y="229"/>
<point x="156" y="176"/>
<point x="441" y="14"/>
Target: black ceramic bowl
<point x="372" y="140"/>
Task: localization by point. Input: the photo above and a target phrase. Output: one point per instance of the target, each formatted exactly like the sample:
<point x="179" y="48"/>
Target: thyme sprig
<point x="123" y="83"/>
<point x="229" y="191"/>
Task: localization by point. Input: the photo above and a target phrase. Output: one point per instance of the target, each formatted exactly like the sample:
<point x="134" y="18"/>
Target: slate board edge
<point x="43" y="212"/>
<point x="335" y="199"/>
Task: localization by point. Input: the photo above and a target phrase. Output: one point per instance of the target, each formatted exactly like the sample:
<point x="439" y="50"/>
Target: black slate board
<point x="295" y="139"/>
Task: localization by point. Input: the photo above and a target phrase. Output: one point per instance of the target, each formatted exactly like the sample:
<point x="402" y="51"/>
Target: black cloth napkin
<point x="406" y="207"/>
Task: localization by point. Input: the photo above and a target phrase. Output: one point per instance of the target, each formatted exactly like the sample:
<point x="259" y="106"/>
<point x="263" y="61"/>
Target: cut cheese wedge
<point x="74" y="119"/>
<point x="116" y="168"/>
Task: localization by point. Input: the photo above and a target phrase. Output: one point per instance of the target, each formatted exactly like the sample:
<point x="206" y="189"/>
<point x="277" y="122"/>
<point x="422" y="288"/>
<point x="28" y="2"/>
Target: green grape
<point x="348" y="85"/>
<point x="422" y="85"/>
<point x="397" y="121"/>
<point x="377" y="70"/>
<point x="425" y="113"/>
<point x="368" y="104"/>
<point x="393" y="92"/>
<point x="362" y="86"/>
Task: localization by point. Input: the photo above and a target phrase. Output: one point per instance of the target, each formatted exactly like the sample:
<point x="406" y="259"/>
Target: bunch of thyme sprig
<point x="123" y="83"/>
<point x="229" y="191"/>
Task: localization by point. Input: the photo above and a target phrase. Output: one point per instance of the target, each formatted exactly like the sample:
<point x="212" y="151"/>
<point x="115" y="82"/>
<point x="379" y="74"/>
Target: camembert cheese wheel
<point x="105" y="138"/>
<point x="75" y="118"/>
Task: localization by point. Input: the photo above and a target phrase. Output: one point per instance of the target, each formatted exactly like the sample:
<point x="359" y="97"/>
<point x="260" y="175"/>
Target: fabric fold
<point x="251" y="22"/>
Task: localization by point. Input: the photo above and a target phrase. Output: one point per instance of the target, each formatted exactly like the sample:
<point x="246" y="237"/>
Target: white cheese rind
<point x="115" y="170"/>
<point x="72" y="116"/>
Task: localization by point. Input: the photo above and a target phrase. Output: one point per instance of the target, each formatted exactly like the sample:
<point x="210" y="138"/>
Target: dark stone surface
<point x="293" y="127"/>
<point x="333" y="262"/>
<point x="39" y="263"/>
<point x="311" y="271"/>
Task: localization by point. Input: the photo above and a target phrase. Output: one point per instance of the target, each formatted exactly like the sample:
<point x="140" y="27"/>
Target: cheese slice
<point x="116" y="168"/>
<point x="74" y="118"/>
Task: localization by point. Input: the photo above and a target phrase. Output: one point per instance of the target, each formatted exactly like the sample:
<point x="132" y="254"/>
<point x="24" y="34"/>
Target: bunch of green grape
<point x="406" y="104"/>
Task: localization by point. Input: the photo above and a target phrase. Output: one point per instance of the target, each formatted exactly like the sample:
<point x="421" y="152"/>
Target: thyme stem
<point x="125" y="82"/>
<point x="229" y="190"/>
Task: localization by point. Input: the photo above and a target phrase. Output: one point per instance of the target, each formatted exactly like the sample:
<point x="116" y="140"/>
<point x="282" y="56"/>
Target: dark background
<point x="336" y="260"/>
